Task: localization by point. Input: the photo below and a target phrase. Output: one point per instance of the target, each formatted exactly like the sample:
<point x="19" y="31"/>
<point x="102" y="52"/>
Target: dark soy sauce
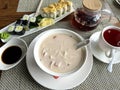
<point x="11" y="55"/>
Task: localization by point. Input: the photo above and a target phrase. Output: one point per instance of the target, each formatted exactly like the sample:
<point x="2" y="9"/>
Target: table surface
<point x="8" y="15"/>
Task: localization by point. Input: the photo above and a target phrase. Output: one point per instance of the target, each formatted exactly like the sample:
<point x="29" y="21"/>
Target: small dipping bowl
<point x="48" y="33"/>
<point x="15" y="46"/>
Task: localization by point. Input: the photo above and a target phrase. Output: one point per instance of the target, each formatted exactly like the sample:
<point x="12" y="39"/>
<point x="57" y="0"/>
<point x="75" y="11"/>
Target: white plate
<point x="37" y="28"/>
<point x="98" y="53"/>
<point x="118" y="2"/>
<point x="48" y="81"/>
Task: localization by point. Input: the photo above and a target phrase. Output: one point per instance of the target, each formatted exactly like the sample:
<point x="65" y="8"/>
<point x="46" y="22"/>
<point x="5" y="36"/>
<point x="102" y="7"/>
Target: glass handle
<point x="106" y="9"/>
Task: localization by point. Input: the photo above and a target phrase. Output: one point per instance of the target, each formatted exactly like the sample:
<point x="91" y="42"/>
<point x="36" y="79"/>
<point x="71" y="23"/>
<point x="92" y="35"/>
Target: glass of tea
<point x="110" y="38"/>
<point x="109" y="42"/>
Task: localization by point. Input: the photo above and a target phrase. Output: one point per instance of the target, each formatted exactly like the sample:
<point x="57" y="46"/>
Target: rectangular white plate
<point x="37" y="28"/>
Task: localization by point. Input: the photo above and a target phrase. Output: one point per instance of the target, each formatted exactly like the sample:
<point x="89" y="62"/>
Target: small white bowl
<point x="13" y="42"/>
<point x="48" y="33"/>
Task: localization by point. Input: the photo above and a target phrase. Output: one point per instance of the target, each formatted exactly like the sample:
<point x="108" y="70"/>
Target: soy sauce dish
<point x="55" y="52"/>
<point x="12" y="53"/>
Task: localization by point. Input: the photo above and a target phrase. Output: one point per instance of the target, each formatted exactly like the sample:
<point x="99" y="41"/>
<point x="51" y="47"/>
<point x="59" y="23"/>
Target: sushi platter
<point x="32" y="23"/>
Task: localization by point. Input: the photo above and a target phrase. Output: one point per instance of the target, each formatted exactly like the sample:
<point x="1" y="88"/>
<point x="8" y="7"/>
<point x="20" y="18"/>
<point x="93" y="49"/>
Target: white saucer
<point x="98" y="53"/>
<point x="48" y="81"/>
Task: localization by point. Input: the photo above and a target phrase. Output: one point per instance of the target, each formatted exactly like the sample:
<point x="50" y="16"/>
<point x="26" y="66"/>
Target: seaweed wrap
<point x="5" y="37"/>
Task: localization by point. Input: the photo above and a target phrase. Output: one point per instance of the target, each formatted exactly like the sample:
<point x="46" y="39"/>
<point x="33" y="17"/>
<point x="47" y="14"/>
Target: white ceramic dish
<point x="48" y="33"/>
<point x="37" y="28"/>
<point x="98" y="53"/>
<point x="48" y="81"/>
<point x="13" y="42"/>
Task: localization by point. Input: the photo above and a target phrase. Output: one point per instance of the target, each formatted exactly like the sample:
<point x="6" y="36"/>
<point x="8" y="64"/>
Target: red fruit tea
<point x="112" y="36"/>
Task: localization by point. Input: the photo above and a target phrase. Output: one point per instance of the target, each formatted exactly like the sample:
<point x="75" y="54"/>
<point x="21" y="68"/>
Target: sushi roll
<point x="5" y="37"/>
<point x="69" y="5"/>
<point x="11" y="29"/>
<point x="25" y="20"/>
<point x="33" y="23"/>
<point x="53" y="13"/>
<point x="19" y="30"/>
<point x="32" y="19"/>
<point x="25" y="17"/>
<point x="45" y="12"/>
<point x="59" y="9"/>
<point x="25" y="24"/>
<point x="61" y="1"/>
<point x="64" y="5"/>
<point x="50" y="11"/>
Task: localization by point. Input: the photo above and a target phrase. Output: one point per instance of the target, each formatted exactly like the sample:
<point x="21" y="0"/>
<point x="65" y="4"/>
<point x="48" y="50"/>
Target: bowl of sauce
<point x="55" y="52"/>
<point x="12" y="53"/>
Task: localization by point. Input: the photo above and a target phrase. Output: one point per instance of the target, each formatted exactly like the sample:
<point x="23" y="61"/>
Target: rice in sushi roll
<point x="45" y="12"/>
<point x="19" y="30"/>
<point x="25" y="17"/>
<point x="32" y="19"/>
<point x="52" y="11"/>
<point x="69" y="5"/>
<point x="63" y="5"/>
<point x="11" y="29"/>
<point x="59" y="9"/>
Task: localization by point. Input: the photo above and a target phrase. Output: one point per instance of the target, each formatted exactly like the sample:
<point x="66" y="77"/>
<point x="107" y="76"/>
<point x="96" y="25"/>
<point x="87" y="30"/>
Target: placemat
<point x="31" y="5"/>
<point x="19" y="78"/>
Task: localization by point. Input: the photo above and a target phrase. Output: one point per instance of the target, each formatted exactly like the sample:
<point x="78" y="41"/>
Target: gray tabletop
<point x="18" y="78"/>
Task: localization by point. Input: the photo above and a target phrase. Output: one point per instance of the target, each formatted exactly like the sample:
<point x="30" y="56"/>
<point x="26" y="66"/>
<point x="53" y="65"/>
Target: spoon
<point x="82" y="43"/>
<point x="109" y="68"/>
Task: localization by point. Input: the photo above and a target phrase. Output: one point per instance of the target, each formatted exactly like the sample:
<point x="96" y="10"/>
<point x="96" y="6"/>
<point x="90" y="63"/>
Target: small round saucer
<point x="98" y="53"/>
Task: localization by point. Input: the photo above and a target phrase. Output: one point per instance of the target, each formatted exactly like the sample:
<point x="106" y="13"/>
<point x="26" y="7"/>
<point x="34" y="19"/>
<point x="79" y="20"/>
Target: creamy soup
<point x="58" y="53"/>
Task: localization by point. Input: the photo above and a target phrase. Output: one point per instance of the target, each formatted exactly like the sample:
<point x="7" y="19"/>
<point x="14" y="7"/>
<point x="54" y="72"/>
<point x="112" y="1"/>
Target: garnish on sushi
<point x="5" y="36"/>
<point x="45" y="22"/>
